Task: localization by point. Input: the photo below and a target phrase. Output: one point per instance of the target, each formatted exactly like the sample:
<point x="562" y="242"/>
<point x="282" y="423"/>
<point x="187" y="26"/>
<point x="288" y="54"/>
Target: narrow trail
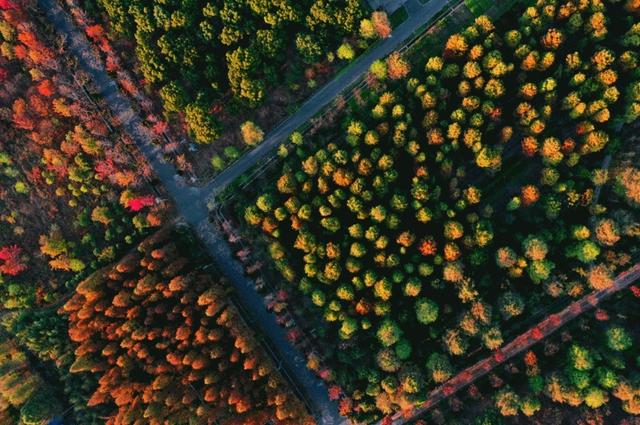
<point x="519" y="344"/>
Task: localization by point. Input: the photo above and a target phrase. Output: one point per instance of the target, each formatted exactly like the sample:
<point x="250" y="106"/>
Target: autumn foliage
<point x="11" y="262"/>
<point x="70" y="188"/>
<point x="170" y="346"/>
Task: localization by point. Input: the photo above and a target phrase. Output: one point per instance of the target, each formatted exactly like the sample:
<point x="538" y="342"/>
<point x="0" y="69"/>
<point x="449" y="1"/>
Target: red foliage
<point x="29" y="39"/>
<point x="46" y="88"/>
<point x="159" y="127"/>
<point x="105" y="168"/>
<point x="12" y="265"/>
<point x="568" y="145"/>
<point x="530" y="358"/>
<point x="554" y="319"/>
<point x="282" y="295"/>
<point x="346" y="406"/>
<point x="536" y="333"/>
<point x="334" y="392"/>
<point x="39" y="105"/>
<point x="635" y="290"/>
<point x="530" y="195"/>
<point x="21" y="118"/>
<point x="8" y="5"/>
<point x="136" y="204"/>
<point x="324" y="374"/>
<point x="448" y="390"/>
<point x="3" y="74"/>
<point x="95" y="32"/>
<point x="601" y="315"/>
<point x="294" y="334"/>
<point x="428" y="247"/>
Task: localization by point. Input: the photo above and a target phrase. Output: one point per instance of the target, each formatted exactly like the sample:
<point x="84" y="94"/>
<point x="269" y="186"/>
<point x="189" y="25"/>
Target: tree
<point x="202" y="125"/>
<point x="11" y="261"/>
<point x="595" y="397"/>
<point x="381" y="24"/>
<point x="346" y="52"/>
<point x="629" y="185"/>
<point x="506" y="257"/>
<point x="600" y="277"/>
<point x="618" y="339"/>
<point x="455" y="46"/>
<point x="251" y="133"/>
<point x="40" y="407"/>
<point x="529" y="195"/>
<point x="439" y="367"/>
<point x="160" y="339"/>
<point x="535" y="248"/>
<point x="492" y="338"/>
<point x="308" y="47"/>
<point x="511" y="304"/>
<point x="529" y="406"/>
<point x="397" y="67"/>
<point x="456" y="343"/>
<point x="174" y="97"/>
<point x="508" y="402"/>
<point x="607" y="232"/>
<point x="426" y="311"/>
<point x="387" y="360"/>
<point x="367" y="30"/>
<point x="580" y="358"/>
<point x="388" y="333"/>
<point x="379" y="69"/>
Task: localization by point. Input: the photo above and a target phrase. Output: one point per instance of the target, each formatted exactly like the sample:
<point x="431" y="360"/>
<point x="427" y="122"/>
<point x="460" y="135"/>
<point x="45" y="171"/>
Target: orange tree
<point x="169" y="346"/>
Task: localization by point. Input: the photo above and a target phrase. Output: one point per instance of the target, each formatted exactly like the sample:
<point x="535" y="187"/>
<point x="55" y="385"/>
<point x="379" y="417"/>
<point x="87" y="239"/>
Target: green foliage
<point x="388" y="333"/>
<point x="202" y="126"/>
<point x="241" y="45"/>
<point x="426" y="311"/>
<point x="439" y="367"/>
<point x="618" y="339"/>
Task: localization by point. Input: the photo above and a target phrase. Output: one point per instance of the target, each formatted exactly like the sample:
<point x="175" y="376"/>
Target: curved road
<point x="190" y="201"/>
<point x="522" y="342"/>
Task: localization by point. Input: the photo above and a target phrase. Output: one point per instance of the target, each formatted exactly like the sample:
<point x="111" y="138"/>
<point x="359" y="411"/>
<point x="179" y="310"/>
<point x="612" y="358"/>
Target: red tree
<point x="12" y="264"/>
<point x="95" y="32"/>
<point x="8" y="5"/>
<point x="136" y="204"/>
<point x="46" y="88"/>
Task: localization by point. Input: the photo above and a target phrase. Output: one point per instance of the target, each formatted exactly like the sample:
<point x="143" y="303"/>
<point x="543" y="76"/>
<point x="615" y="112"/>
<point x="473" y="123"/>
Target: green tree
<point x="618" y="339"/>
<point x="388" y="332"/>
<point x="203" y="127"/>
<point x="309" y="47"/>
<point x="439" y="367"/>
<point x="511" y="304"/>
<point x="426" y="310"/>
